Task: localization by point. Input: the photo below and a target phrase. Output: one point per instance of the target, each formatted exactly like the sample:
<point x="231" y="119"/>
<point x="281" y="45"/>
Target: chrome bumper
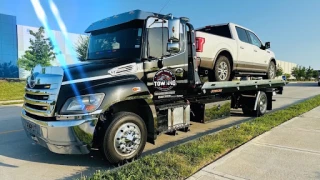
<point x="71" y="136"/>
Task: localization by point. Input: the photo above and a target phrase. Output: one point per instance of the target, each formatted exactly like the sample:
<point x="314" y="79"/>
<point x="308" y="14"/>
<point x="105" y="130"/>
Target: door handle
<point x="255" y="50"/>
<point x="241" y="47"/>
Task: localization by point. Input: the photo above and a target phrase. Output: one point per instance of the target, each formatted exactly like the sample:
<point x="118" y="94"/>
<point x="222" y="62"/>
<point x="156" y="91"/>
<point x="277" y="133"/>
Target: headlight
<point x="82" y="104"/>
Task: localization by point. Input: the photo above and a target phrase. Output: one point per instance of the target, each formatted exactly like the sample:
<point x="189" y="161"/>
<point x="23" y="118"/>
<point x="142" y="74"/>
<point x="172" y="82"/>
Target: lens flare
<point x="69" y="46"/>
<point x="43" y="19"/>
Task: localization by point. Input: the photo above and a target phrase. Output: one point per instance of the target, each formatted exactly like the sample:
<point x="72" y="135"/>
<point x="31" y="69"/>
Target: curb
<point x="13" y="102"/>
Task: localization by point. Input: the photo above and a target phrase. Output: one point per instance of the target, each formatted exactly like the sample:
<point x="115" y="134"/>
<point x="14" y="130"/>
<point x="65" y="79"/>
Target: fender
<point x="218" y="53"/>
<point x="132" y="96"/>
<point x="122" y="93"/>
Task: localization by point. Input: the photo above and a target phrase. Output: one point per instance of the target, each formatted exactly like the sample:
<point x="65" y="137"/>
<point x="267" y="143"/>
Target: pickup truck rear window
<point x="223" y="30"/>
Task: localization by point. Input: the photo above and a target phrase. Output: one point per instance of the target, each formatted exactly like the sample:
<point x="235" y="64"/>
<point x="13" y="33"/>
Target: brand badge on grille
<point x="32" y="81"/>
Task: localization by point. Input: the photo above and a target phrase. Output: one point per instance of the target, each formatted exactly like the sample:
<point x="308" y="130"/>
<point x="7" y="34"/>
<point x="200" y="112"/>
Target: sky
<point x="292" y="26"/>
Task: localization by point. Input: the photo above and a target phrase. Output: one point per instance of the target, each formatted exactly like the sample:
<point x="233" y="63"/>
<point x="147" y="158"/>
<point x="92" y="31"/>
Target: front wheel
<point x="271" y="74"/>
<point x="125" y="138"/>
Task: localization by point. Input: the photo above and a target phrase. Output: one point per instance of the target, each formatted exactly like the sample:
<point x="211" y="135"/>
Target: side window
<point x="254" y="39"/>
<point x="242" y="35"/>
<point x="223" y="30"/>
<point x="156" y="43"/>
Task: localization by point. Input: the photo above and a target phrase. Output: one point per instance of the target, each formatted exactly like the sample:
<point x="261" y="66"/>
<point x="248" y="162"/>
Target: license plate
<point x="32" y="128"/>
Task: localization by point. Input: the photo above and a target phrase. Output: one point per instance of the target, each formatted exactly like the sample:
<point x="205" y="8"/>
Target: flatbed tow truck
<point x="141" y="79"/>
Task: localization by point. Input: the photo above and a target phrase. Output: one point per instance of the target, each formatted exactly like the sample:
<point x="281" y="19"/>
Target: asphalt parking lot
<point x="21" y="159"/>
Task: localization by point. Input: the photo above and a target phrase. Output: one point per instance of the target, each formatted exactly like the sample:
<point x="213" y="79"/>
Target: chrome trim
<point x="78" y="116"/>
<point x="62" y="137"/>
<point x="41" y="91"/>
<point x="38" y="102"/>
<point x="51" y="76"/>
<point x="37" y="112"/>
<point x="86" y="79"/>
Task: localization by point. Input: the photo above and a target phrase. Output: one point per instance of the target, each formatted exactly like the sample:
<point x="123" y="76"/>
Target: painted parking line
<point x="13" y="131"/>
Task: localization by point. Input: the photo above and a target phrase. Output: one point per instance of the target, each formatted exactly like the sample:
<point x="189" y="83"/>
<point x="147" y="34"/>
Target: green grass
<point x="184" y="160"/>
<point x="11" y="90"/>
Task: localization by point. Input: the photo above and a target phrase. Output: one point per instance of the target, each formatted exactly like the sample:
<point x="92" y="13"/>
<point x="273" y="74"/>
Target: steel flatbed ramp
<point x="233" y="86"/>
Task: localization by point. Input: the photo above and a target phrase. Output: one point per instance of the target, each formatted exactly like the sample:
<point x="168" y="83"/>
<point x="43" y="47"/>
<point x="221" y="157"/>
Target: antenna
<point x="164" y="6"/>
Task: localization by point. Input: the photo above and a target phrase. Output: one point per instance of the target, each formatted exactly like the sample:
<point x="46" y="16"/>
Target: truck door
<point x="245" y="50"/>
<point x="260" y="57"/>
<point x="159" y="58"/>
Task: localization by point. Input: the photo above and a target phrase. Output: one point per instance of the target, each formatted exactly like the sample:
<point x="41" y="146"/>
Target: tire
<point x="261" y="106"/>
<point x="318" y="83"/>
<point x="271" y="74"/>
<point x="113" y="144"/>
<point x="222" y="63"/>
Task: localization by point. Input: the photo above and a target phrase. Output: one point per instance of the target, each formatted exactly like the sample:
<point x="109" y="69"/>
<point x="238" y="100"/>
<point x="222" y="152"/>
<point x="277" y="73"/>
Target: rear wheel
<point x="248" y="107"/>
<point x="125" y="138"/>
<point x="222" y="69"/>
<point x="318" y="83"/>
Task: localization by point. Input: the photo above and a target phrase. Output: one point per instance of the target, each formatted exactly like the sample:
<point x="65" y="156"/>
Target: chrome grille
<point x="40" y="101"/>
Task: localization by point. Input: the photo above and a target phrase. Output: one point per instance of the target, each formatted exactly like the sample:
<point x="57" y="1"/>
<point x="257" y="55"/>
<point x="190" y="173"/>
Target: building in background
<point x="8" y="47"/>
<point x="286" y="67"/>
<point x="15" y="40"/>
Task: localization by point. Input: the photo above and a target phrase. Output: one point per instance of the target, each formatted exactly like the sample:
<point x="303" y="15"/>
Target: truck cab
<point x="135" y="60"/>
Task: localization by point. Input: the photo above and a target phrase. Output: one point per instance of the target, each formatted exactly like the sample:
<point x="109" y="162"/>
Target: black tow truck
<point x="141" y="78"/>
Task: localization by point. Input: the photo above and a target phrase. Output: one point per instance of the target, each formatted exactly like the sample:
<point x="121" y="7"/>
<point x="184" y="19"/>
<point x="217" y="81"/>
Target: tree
<point x="40" y="51"/>
<point x="299" y="72"/>
<point x="82" y="47"/>
<point x="287" y="75"/>
<point x="279" y="71"/>
<point x="309" y="73"/>
<point x="315" y="74"/>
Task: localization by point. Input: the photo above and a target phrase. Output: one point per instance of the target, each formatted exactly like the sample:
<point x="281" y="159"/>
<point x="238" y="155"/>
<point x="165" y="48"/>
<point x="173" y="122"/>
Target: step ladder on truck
<point x="122" y="98"/>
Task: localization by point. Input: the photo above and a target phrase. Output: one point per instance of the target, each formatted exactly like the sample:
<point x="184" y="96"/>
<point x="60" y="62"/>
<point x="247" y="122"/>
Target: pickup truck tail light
<point x="199" y="43"/>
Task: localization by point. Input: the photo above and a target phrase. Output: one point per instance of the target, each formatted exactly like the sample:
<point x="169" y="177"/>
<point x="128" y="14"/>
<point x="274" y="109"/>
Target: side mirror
<point x="174" y="30"/>
<point x="174" y="35"/>
<point x="267" y="45"/>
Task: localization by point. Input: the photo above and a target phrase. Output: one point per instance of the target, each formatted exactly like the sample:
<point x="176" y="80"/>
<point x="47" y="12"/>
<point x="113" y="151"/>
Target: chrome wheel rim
<point x="127" y="139"/>
<point x="263" y="104"/>
<point x="223" y="70"/>
<point x="271" y="71"/>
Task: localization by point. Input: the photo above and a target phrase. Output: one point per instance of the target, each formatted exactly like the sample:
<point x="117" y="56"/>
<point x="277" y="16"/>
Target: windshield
<point x="122" y="41"/>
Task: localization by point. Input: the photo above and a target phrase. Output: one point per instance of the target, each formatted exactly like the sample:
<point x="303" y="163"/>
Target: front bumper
<point x="71" y="136"/>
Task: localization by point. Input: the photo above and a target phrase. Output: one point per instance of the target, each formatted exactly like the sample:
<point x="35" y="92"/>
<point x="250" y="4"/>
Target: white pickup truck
<point x="226" y="51"/>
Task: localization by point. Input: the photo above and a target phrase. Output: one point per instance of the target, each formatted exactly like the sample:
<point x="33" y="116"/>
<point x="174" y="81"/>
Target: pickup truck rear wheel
<point x="125" y="138"/>
<point x="222" y="69"/>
